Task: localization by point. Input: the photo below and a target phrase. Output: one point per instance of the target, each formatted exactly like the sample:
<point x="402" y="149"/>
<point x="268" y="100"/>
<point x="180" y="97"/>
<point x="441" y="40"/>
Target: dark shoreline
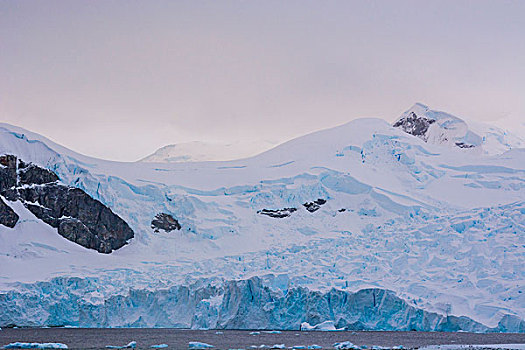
<point x="98" y="338"/>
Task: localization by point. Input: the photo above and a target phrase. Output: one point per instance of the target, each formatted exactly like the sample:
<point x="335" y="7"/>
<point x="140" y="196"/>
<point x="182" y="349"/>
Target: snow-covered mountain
<point x="364" y="224"/>
<point x="198" y="151"/>
<point x="445" y="129"/>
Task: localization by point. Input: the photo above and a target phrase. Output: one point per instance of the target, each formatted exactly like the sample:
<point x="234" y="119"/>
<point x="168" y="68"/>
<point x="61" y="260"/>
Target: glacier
<point x="238" y="304"/>
<point x="435" y="233"/>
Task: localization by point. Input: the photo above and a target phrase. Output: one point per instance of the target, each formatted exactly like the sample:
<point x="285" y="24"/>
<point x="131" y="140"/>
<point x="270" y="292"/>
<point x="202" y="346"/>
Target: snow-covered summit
<point x="442" y="128"/>
<point x="198" y="151"/>
<point x="437" y="127"/>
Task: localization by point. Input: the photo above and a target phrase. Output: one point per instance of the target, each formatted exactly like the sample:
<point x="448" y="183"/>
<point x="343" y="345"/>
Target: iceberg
<point x="475" y="346"/>
<point x="323" y="326"/>
<point x="131" y="345"/>
<point x="199" y="346"/>
<point x="19" y="345"/>
<point x="346" y="345"/>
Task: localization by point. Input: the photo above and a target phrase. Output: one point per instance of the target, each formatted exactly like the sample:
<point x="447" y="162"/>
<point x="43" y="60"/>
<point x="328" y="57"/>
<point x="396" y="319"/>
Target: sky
<point x="119" y="79"/>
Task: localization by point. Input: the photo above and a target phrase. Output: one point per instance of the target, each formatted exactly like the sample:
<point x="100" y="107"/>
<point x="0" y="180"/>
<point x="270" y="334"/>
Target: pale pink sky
<point x="119" y="79"/>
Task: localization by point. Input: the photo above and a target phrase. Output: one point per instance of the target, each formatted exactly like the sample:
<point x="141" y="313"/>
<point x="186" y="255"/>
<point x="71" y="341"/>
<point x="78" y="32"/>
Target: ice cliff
<point x="240" y="304"/>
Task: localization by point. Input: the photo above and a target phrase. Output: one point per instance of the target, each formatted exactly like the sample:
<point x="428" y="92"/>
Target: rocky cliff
<point x="77" y="216"/>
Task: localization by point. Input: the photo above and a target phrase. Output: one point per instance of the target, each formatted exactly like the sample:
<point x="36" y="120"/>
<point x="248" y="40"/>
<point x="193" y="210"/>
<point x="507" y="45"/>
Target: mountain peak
<point x="419" y="108"/>
<point x="437" y="127"/>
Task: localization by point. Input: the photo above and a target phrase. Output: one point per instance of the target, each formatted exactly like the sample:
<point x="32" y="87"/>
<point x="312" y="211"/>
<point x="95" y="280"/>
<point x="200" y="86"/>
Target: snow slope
<point x="442" y="228"/>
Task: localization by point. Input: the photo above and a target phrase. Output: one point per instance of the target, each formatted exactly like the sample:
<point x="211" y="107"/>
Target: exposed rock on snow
<point x="34" y="175"/>
<point x="77" y="216"/>
<point x="414" y="125"/>
<point x="315" y="205"/>
<point x="166" y="222"/>
<point x="464" y="145"/>
<point x="8" y="217"/>
<point x="437" y="127"/>
<point x="8" y="176"/>
<point x="277" y="213"/>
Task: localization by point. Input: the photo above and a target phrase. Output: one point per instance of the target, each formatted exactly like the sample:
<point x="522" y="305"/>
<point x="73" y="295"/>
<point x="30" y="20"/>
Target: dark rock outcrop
<point x="8" y="217"/>
<point x="415" y="125"/>
<point x="77" y="216"/>
<point x="7" y="172"/>
<point x="464" y="145"/>
<point x="315" y="205"/>
<point x="34" y="175"/>
<point x="277" y="213"/>
<point x="166" y="222"/>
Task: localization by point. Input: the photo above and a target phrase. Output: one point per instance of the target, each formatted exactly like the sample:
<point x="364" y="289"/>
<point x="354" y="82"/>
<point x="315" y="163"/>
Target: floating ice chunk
<point x="314" y="346"/>
<point x="130" y="345"/>
<point x="160" y="346"/>
<point x="255" y="333"/>
<point x="272" y="332"/>
<point x="346" y="345"/>
<point x="323" y="326"/>
<point x="278" y="346"/>
<point x="471" y="346"/>
<point x="305" y="326"/>
<point x="299" y="347"/>
<point x="199" y="345"/>
<point x="218" y="332"/>
<point x="19" y="345"/>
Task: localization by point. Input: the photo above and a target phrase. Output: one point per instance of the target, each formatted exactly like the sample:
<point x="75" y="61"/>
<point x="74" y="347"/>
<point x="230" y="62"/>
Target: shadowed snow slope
<point x="432" y="230"/>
